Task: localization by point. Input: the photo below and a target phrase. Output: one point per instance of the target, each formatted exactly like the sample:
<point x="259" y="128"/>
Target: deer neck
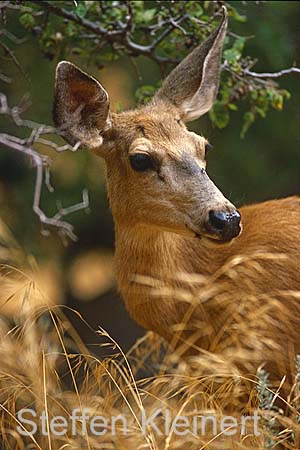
<point x="156" y="256"/>
<point x="147" y="252"/>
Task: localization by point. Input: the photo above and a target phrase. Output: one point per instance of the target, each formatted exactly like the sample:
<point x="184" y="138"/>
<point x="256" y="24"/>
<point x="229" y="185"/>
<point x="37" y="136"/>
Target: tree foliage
<point x="100" y="32"/>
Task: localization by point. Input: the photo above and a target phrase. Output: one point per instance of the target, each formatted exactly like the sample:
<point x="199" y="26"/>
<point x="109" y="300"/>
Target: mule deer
<point x="169" y="216"/>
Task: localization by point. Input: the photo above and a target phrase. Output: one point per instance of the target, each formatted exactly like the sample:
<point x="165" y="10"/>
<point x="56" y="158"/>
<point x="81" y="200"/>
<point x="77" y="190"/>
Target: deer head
<point x="156" y="168"/>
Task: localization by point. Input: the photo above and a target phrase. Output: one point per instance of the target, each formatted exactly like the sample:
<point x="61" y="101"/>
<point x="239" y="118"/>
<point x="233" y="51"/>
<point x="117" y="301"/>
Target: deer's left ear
<point x="81" y="106"/>
<point x="193" y="85"/>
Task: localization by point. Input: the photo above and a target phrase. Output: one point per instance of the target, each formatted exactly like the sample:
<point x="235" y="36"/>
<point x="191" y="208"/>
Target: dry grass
<point x="45" y="366"/>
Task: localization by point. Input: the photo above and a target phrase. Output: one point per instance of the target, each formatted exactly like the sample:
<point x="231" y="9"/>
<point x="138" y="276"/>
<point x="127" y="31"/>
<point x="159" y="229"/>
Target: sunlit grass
<point x="45" y="366"/>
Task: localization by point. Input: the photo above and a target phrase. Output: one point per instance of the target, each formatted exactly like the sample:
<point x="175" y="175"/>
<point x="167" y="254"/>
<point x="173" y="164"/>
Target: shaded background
<point x="263" y="165"/>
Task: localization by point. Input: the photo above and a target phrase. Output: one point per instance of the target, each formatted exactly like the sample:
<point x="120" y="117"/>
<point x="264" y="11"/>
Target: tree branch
<point x="120" y="36"/>
<point x="42" y="165"/>
<point x="272" y="74"/>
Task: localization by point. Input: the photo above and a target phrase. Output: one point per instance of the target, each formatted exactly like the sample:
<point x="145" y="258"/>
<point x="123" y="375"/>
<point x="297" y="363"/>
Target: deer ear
<point x="193" y="85"/>
<point x="81" y="106"/>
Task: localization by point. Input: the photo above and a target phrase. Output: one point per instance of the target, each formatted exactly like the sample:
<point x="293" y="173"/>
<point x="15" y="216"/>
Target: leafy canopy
<point x="101" y="32"/>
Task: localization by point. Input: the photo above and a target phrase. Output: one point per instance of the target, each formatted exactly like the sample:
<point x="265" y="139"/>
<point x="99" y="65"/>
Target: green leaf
<point x="219" y="115"/>
<point x="82" y="9"/>
<point x="71" y="29"/>
<point x="138" y="5"/>
<point x="261" y="111"/>
<point x="119" y="107"/>
<point x="236" y="15"/>
<point x="286" y="94"/>
<point x="232" y="107"/>
<point x="249" y="118"/>
<point x="239" y="44"/>
<point x="147" y="15"/>
<point x="232" y="55"/>
<point x="27" y="21"/>
<point x="144" y="93"/>
<point x="195" y="8"/>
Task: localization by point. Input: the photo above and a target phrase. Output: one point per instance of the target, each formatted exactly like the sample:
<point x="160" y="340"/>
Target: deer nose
<point x="224" y="224"/>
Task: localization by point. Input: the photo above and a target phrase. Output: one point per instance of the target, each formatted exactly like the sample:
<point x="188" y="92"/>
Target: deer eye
<point x="141" y="162"/>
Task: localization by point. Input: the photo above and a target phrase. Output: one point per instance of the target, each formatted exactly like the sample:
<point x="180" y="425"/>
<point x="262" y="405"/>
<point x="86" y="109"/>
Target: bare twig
<point x="4" y="78"/>
<point x="279" y="74"/>
<point x="12" y="37"/>
<point x="11" y="55"/>
<point x="42" y="165"/>
<point x="17" y="6"/>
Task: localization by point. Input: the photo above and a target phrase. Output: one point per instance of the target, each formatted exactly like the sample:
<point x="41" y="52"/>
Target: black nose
<point x="225" y="224"/>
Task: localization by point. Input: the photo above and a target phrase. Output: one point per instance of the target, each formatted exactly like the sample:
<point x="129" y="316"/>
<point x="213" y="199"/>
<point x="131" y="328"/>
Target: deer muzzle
<point x="224" y="225"/>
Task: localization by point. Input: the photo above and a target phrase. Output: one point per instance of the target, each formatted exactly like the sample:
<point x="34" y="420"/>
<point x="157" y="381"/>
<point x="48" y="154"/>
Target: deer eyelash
<point x="208" y="147"/>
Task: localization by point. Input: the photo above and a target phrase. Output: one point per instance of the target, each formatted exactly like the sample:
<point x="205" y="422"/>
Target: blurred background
<point x="264" y="164"/>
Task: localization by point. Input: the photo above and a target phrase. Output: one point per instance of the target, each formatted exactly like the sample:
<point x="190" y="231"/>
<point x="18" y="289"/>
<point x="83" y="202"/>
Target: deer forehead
<point x="161" y="132"/>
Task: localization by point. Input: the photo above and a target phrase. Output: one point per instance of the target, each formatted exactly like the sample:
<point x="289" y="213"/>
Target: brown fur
<point x="145" y="249"/>
<point x="160" y="218"/>
<point x="269" y="228"/>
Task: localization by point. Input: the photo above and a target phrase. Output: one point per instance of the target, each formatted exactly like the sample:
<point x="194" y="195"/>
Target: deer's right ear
<point x="81" y="106"/>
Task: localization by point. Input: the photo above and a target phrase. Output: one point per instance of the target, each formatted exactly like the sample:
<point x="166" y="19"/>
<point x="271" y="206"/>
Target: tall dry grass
<point x="45" y="366"/>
